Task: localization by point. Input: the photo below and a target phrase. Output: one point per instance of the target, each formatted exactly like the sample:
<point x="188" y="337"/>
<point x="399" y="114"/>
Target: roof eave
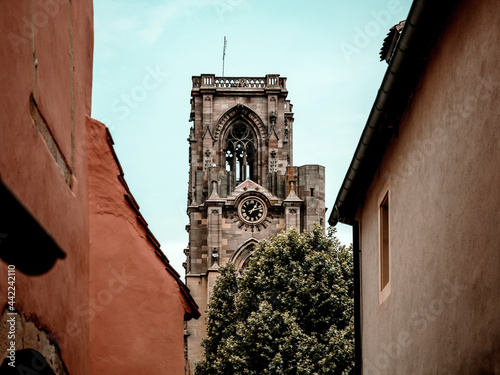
<point x="425" y="21"/>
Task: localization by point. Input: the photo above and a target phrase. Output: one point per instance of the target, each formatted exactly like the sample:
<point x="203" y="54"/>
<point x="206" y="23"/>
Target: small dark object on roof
<point x="390" y="41"/>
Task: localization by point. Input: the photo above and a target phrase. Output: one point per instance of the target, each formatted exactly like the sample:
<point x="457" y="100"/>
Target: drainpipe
<point x="357" y="299"/>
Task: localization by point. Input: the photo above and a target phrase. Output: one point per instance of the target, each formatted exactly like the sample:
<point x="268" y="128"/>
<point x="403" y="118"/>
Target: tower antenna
<point x="224" y="55"/>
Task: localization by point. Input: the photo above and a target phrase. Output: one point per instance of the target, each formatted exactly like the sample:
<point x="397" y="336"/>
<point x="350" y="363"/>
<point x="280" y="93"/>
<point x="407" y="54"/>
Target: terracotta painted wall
<point x="136" y="307"/>
<point x="443" y="174"/>
<point x="46" y="53"/>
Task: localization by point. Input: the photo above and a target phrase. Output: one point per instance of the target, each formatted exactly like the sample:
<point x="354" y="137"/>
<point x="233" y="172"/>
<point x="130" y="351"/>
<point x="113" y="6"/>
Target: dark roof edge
<point x="423" y="24"/>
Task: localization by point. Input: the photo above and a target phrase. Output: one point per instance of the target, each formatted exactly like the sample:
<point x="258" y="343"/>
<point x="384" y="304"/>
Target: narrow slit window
<point x="384" y="242"/>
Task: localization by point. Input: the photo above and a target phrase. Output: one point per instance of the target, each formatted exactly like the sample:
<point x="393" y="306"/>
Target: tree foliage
<point x="290" y="312"/>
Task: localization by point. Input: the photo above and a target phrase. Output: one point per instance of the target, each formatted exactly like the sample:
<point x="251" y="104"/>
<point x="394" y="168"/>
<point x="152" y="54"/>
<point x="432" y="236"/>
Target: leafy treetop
<point x="291" y="312"/>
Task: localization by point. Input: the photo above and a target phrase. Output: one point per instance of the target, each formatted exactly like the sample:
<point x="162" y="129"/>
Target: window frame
<point x="384" y="244"/>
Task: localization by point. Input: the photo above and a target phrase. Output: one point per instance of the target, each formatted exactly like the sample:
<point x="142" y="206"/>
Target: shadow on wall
<point x="23" y="242"/>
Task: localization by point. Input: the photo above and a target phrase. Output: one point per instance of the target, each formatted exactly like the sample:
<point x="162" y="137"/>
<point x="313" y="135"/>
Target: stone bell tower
<point x="243" y="186"/>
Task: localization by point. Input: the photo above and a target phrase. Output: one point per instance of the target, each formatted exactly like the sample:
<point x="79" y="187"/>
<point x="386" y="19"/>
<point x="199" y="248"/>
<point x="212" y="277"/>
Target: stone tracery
<point x="240" y="149"/>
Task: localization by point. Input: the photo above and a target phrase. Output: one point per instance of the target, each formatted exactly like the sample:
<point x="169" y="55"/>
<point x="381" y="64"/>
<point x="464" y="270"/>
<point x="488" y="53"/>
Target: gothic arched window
<point x="241" y="152"/>
<point x="242" y="256"/>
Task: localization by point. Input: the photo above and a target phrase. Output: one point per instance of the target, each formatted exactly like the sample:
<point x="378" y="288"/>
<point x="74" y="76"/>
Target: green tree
<point x="291" y="312"/>
<point x="221" y="327"/>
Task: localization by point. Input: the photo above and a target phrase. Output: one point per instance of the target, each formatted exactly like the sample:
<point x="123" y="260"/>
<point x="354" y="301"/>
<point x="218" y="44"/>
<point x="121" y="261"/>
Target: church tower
<point x="242" y="186"/>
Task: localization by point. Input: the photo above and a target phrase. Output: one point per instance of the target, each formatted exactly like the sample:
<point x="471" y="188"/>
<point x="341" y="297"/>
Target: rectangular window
<point x="384" y="243"/>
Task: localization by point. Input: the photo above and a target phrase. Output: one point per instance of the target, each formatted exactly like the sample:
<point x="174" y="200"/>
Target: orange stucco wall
<point x="443" y="174"/>
<point x="46" y="52"/>
<point x="136" y="307"/>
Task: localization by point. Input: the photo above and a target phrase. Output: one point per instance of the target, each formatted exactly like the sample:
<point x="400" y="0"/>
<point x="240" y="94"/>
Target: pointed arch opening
<point x="27" y="361"/>
<point x="241" y="137"/>
<point x="240" y="151"/>
<point x="241" y="257"/>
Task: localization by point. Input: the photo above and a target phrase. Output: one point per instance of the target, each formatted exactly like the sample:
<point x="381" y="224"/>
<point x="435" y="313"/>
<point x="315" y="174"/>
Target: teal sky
<point x="146" y="52"/>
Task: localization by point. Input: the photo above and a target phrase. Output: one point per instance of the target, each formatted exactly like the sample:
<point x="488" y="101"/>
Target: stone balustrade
<point x="270" y="81"/>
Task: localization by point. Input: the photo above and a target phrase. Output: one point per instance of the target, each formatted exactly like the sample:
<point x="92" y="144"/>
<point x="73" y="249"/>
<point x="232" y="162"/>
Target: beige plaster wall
<point x="443" y="175"/>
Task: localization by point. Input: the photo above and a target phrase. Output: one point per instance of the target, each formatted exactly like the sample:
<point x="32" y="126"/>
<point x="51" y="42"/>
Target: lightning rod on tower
<point x="224" y="55"/>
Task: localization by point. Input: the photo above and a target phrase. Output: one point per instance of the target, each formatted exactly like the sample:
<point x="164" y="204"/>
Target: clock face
<point x="252" y="210"/>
